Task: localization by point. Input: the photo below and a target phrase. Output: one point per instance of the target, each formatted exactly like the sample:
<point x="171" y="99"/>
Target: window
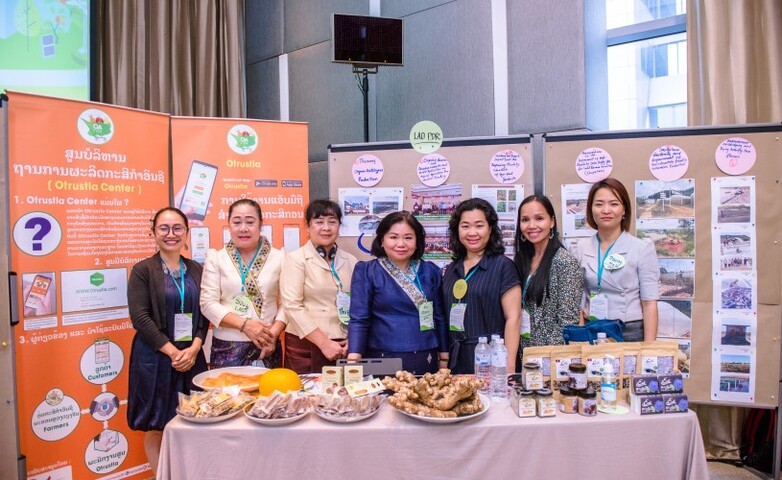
<point x="647" y="64"/>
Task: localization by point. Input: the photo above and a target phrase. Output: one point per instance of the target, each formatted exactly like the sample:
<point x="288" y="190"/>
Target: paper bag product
<point x="541" y="356"/>
<point x="594" y="356"/>
<point x="561" y="358"/>
<point x="661" y="358"/>
<point x="631" y="360"/>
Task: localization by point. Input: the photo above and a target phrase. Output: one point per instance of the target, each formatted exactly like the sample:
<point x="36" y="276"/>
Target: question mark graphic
<point x="45" y="226"/>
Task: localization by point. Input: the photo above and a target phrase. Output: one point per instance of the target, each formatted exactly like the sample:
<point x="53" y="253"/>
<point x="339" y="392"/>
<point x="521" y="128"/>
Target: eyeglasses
<point x="178" y="230"/>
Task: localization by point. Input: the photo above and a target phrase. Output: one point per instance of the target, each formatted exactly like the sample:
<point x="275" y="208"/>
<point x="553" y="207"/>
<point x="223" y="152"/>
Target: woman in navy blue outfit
<point x="396" y="309"/>
<point x="163" y="294"/>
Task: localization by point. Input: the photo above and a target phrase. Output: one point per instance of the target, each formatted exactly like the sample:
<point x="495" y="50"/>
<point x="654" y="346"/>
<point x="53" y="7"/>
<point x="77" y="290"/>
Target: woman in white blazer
<point x="621" y="273"/>
<point x="239" y="290"/>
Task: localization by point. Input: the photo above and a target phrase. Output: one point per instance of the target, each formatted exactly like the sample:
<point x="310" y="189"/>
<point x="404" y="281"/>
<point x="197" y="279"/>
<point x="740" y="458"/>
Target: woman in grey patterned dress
<point x="551" y="277"/>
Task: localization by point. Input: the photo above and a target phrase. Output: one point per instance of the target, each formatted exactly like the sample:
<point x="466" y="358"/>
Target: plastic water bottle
<point x="499" y="372"/>
<point x="601" y="338"/>
<point x="483" y="363"/>
<point x="608" y="385"/>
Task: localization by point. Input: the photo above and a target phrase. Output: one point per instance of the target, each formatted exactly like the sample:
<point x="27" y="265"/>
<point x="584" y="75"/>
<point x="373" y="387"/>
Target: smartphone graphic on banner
<point x="198" y="190"/>
<point x="102" y="350"/>
<point x="38" y="291"/>
<point x="199" y="243"/>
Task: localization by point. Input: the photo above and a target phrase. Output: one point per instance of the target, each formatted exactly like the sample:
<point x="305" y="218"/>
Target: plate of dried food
<point x="213" y="406"/>
<point x="437" y="397"/>
<point x="430" y="415"/>
<point x="216" y="419"/>
<point x="245" y="377"/>
<point x="344" y="409"/>
<point x="278" y="408"/>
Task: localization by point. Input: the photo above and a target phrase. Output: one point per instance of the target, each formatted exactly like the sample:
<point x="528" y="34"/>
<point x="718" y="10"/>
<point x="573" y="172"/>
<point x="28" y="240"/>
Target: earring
<point x="551" y="234"/>
<point x="523" y="239"/>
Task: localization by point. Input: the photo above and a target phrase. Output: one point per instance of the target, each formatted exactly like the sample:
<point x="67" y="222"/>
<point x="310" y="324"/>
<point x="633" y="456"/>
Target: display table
<point x="497" y="445"/>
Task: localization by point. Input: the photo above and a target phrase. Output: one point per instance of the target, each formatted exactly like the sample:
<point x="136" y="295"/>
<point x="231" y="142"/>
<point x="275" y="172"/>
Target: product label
<point x="608" y="391"/>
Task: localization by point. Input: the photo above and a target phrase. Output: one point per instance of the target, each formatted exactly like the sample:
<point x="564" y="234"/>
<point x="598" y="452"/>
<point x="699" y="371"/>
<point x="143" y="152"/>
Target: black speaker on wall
<point x="365" y="40"/>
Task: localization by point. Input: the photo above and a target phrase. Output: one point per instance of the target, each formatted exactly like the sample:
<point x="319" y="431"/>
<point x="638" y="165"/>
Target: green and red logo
<point x="95" y="126"/>
<point x="242" y="139"/>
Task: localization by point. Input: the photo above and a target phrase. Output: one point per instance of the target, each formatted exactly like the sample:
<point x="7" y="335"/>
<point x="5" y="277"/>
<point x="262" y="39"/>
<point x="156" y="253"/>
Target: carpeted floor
<point x="728" y="471"/>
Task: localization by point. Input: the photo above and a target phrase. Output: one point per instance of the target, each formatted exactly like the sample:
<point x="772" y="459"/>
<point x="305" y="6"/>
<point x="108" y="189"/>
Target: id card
<point x="242" y="306"/>
<point x="598" y="306"/>
<point x="526" y="324"/>
<point x="457" y="316"/>
<point x="343" y="307"/>
<point x="183" y="327"/>
<point x="426" y="316"/>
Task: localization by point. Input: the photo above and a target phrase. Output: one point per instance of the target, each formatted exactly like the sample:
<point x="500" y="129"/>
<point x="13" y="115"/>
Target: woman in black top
<point x="163" y="294"/>
<point x="492" y="301"/>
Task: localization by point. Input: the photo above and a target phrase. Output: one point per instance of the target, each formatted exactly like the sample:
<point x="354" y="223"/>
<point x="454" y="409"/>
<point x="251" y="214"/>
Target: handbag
<point x="588" y="332"/>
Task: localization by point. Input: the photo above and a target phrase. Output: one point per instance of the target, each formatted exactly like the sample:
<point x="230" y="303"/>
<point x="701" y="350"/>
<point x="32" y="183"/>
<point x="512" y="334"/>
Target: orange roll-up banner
<point x="218" y="161"/>
<point x="84" y="182"/>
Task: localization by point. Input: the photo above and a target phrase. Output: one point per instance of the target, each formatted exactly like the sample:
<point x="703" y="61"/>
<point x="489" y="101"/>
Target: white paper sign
<point x="735" y="156"/>
<point x="506" y="166"/>
<point x="433" y="170"/>
<point x="594" y="164"/>
<point x="668" y="163"/>
<point x="368" y="170"/>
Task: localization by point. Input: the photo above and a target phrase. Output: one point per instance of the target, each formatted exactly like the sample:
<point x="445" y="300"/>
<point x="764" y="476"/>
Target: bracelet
<point x="241" y="329"/>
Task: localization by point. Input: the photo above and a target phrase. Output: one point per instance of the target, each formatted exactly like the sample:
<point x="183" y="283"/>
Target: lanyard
<point x="243" y="271"/>
<point x="416" y="279"/>
<point x="335" y="274"/>
<point x="180" y="286"/>
<point x="524" y="291"/>
<point x="472" y="272"/>
<point x="601" y="262"/>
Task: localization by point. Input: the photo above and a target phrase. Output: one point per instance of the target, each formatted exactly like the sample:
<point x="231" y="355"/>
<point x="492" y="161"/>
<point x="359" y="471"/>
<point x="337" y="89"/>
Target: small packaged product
<point x="542" y="356"/>
<point x="331" y="378"/>
<point x="523" y="402"/>
<point x="561" y="358"/>
<point x="672" y="383"/>
<point x="675" y="403"/>
<point x="647" y="404"/>
<point x="547" y="405"/>
<point x="645" y="385"/>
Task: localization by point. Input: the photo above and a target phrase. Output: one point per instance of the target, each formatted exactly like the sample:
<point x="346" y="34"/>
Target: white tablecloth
<point x="497" y="445"/>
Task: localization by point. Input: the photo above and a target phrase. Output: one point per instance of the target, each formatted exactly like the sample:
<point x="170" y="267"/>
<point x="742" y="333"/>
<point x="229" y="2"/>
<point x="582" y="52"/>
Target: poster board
<point x="631" y="152"/>
<point x="469" y="162"/>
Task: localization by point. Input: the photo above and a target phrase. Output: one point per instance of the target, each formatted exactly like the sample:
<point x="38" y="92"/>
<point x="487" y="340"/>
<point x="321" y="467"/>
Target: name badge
<point x="426" y="315"/>
<point x="242" y="306"/>
<point x="526" y="324"/>
<point x="615" y="261"/>
<point x="598" y="306"/>
<point x="457" y="316"/>
<point x="460" y="289"/>
<point x="343" y="307"/>
<point x="183" y="327"/>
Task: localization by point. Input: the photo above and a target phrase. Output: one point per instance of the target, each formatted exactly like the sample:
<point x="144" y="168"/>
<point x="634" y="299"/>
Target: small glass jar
<point x="577" y="375"/>
<point x="547" y="404"/>
<point x="531" y="376"/>
<point x="568" y="400"/>
<point x="524" y="403"/>
<point x="587" y="402"/>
